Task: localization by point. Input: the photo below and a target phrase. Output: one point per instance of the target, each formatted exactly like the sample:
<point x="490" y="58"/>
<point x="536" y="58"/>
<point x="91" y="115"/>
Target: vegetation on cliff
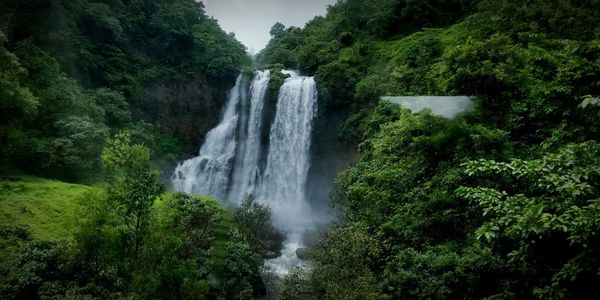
<point x="498" y="203"/>
<point x="75" y="72"/>
<point x="129" y="238"/>
<point x="501" y="202"/>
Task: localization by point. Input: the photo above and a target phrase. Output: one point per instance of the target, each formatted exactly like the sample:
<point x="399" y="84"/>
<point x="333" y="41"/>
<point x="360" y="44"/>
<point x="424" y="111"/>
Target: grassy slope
<point x="48" y="209"/>
<point x="45" y="207"/>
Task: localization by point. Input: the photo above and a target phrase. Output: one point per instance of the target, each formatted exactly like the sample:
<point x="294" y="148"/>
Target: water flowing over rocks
<point x="237" y="158"/>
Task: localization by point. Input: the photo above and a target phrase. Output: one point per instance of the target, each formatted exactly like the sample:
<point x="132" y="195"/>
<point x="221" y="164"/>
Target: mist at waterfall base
<point x="257" y="150"/>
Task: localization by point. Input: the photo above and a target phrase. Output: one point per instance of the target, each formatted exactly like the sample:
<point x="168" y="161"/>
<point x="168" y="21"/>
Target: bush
<point x="254" y="222"/>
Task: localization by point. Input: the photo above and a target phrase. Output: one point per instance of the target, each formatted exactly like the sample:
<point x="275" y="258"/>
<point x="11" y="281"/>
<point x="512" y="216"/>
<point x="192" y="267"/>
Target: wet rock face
<point x="185" y="109"/>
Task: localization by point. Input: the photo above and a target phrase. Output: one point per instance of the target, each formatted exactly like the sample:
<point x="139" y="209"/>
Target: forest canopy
<point x="499" y="203"/>
<point x="73" y="73"/>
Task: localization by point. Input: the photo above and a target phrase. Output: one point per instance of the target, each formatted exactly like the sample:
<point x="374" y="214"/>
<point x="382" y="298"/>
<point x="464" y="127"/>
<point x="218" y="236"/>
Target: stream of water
<point x="229" y="161"/>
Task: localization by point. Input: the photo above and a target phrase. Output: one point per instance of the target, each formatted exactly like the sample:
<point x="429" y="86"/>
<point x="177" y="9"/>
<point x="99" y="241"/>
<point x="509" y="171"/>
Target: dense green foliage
<point x="49" y="124"/>
<point x="502" y="202"/>
<point x="254" y="221"/>
<point x="498" y="203"/>
<point x="71" y="71"/>
<point x="294" y="285"/>
<point x="71" y="75"/>
<point x="123" y="44"/>
<point x="132" y="240"/>
<point x="542" y="207"/>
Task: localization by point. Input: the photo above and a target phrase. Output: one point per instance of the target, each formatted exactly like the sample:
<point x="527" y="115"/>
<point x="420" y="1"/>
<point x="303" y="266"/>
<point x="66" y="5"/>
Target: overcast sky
<point x="251" y="20"/>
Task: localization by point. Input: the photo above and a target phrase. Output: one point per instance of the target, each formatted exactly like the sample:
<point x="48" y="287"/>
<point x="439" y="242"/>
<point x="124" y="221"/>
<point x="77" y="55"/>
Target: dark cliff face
<point x="186" y="109"/>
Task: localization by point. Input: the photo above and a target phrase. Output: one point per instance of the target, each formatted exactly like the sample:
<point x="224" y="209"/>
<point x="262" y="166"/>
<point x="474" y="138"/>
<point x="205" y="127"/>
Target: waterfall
<point x="209" y="172"/>
<point x="246" y="173"/>
<point x="230" y="160"/>
<point x="284" y="179"/>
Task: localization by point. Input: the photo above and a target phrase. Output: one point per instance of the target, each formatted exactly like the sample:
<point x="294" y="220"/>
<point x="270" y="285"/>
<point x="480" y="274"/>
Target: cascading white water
<point x="236" y="143"/>
<point x="284" y="179"/>
<point x="246" y="174"/>
<point x="209" y="172"/>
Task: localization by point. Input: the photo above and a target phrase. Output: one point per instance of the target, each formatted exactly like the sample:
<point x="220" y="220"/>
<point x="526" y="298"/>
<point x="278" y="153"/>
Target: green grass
<point x="47" y="208"/>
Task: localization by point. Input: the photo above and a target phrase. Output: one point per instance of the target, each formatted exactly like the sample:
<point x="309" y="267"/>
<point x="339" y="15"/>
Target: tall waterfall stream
<point x="236" y="158"/>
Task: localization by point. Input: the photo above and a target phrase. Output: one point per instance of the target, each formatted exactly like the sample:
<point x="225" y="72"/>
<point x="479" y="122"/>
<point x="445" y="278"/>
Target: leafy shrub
<point x="543" y="216"/>
<point x="254" y="222"/>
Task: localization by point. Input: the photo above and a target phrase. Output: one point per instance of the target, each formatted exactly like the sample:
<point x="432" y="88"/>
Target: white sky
<point x="251" y="20"/>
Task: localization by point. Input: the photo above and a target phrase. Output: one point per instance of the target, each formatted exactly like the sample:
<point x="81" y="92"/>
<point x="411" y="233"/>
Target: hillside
<point x="497" y="203"/>
<point x="43" y="221"/>
<point x="76" y="72"/>
<point x="110" y="93"/>
<point x="500" y="202"/>
<point x="48" y="209"/>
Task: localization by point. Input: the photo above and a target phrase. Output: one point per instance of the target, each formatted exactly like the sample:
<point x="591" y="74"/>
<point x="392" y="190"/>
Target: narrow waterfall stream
<point x="228" y="164"/>
<point x="247" y="172"/>
<point x="209" y="172"/>
<point x="284" y="181"/>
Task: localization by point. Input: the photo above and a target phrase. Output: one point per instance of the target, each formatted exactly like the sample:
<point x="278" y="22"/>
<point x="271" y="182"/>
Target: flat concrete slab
<point x="444" y="106"/>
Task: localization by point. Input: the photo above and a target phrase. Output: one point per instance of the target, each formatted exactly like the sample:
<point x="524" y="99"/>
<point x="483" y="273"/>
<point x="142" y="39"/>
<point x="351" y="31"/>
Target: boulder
<point x="271" y="255"/>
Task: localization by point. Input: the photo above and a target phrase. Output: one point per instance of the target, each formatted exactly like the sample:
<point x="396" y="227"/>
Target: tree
<point x="115" y="106"/>
<point x="254" y="222"/>
<point x="16" y="101"/>
<point x="77" y="148"/>
<point x="277" y="30"/>
<point x="294" y="284"/>
<point x="343" y="262"/>
<point x="132" y="185"/>
<point x="241" y="275"/>
<point x="177" y="255"/>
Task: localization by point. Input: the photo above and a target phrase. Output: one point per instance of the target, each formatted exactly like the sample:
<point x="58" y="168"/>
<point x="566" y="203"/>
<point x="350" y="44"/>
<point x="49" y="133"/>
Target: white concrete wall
<point x="444" y="106"/>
